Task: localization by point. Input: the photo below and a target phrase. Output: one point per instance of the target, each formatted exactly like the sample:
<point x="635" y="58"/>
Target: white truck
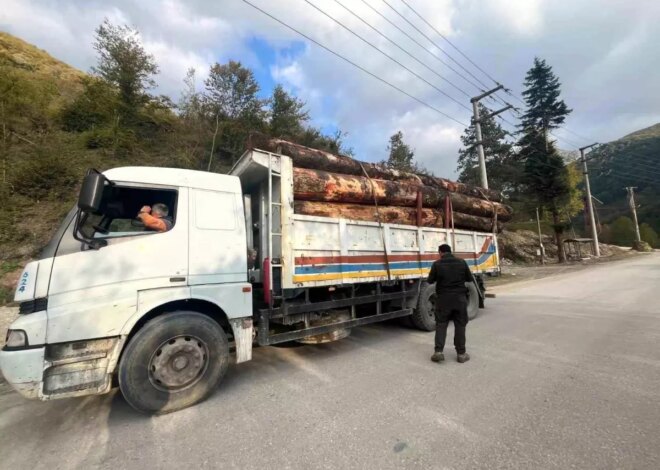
<point x="164" y="313"/>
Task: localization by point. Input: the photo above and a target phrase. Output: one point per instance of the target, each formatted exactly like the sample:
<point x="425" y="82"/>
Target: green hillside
<point x="633" y="160"/>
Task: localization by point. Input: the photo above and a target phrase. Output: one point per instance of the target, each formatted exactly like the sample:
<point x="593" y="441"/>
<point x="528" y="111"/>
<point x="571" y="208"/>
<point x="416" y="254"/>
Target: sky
<point x="603" y="51"/>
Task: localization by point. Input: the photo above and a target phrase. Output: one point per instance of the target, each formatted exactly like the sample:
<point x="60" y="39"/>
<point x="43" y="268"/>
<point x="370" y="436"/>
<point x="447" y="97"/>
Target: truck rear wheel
<point x="174" y="361"/>
<point x="423" y="317"/>
<point x="473" y="300"/>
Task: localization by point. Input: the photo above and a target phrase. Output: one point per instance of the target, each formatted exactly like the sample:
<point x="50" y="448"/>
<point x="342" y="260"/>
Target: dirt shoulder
<point x="528" y="272"/>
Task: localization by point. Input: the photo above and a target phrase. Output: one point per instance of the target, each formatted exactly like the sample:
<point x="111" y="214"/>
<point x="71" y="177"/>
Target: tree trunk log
<point x="312" y="159"/>
<point x="474" y="222"/>
<point x="388" y="214"/>
<point x="315" y="185"/>
<point x="392" y="215"/>
<point x="557" y="227"/>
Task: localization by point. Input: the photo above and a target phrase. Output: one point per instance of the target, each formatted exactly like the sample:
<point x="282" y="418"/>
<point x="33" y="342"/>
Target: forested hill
<point x="633" y="160"/>
<point x="57" y="121"/>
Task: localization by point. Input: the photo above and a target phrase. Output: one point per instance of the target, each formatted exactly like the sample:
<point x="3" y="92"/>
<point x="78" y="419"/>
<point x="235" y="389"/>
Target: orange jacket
<point x="152" y="223"/>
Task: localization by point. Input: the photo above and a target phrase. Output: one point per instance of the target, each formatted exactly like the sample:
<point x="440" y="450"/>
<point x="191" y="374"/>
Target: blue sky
<point x="604" y="52"/>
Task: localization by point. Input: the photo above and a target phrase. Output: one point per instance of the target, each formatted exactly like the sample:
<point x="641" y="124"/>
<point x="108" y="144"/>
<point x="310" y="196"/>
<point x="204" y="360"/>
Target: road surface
<point x="565" y="373"/>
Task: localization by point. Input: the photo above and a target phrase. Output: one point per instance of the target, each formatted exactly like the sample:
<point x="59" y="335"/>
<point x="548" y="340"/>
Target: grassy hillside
<point x="37" y="66"/>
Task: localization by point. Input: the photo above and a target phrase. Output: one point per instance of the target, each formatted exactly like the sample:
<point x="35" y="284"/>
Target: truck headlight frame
<point x="16" y="339"/>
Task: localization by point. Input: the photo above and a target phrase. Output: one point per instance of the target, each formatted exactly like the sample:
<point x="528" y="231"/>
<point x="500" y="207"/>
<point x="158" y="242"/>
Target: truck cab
<point x="104" y="275"/>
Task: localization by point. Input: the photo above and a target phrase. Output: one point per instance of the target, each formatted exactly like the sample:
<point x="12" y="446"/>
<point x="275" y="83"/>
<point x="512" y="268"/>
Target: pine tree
<point x="401" y="155"/>
<point x="545" y="111"/>
<point x="545" y="174"/>
<point x="501" y="167"/>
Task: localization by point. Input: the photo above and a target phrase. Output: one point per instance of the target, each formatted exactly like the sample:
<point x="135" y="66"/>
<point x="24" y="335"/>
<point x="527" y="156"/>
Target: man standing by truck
<point x="450" y="275"/>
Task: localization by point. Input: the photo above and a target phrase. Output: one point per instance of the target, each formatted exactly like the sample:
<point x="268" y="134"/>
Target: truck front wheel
<point x="174" y="361"/>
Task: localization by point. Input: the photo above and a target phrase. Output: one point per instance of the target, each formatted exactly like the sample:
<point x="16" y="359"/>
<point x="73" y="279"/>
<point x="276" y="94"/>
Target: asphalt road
<point x="565" y="373"/>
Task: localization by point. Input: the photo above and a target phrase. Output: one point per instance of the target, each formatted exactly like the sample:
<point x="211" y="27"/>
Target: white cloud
<point x="603" y="52"/>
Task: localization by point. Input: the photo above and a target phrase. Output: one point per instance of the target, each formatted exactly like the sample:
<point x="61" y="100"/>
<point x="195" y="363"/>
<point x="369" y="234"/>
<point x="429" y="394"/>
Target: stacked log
<point x="315" y="185"/>
<point x="387" y="214"/>
<point x="338" y="186"/>
<point x="393" y="215"/>
<point x="313" y="159"/>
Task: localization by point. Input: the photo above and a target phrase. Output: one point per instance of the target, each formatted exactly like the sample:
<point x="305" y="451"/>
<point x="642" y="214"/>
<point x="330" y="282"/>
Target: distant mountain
<point x="633" y="160"/>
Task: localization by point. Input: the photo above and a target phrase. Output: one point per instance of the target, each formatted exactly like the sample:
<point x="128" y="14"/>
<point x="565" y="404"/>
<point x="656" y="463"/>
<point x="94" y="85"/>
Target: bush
<point x="121" y="141"/>
<point x="649" y="235"/>
<point x="622" y="231"/>
<point x="44" y="176"/>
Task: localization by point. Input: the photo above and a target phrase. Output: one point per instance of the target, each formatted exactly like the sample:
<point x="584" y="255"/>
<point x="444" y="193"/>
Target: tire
<point x="175" y="360"/>
<point x="423" y="317"/>
<point x="473" y="300"/>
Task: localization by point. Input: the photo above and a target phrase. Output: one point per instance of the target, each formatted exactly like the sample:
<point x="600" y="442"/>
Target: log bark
<point x="316" y="185"/>
<point x="388" y="214"/>
<point x="313" y="159"/>
<point x="476" y="223"/>
<point x="392" y="215"/>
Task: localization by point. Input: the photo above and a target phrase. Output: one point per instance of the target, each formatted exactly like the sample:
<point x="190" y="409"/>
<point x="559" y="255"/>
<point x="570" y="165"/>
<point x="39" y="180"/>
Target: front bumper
<point x="62" y="370"/>
<point x="24" y="370"/>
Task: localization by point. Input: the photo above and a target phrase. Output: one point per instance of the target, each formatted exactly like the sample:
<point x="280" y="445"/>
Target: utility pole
<point x="477" y="127"/>
<point x="590" y="204"/>
<point x="631" y="201"/>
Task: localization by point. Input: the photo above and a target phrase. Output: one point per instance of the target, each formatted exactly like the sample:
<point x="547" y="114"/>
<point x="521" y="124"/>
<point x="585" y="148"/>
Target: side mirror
<point x="91" y="192"/>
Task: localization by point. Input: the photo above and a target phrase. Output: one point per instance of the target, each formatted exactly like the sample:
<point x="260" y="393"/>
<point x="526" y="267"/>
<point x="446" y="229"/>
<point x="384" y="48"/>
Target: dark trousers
<point x="452" y="308"/>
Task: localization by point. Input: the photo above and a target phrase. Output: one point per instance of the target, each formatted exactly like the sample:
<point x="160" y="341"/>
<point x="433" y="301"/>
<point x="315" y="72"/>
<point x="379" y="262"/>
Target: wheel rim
<point x="178" y="363"/>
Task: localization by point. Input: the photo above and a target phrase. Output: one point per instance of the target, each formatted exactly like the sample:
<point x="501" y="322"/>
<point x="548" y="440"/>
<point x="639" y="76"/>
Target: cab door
<point x="92" y="293"/>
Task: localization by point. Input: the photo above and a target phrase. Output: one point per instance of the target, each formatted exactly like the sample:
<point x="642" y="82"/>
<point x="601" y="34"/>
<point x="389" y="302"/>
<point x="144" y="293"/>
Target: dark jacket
<point x="450" y="275"/>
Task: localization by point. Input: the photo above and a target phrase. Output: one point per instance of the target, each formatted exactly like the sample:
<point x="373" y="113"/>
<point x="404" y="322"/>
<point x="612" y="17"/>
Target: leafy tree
<point x="123" y="62"/>
<point x="501" y="166"/>
<point x="232" y="100"/>
<point x="287" y="114"/>
<point x="232" y="92"/>
<point x="314" y="138"/>
<point x="191" y="102"/>
<point x="401" y="155"/>
<point x="649" y="235"/>
<point x="622" y="231"/>
<point x="546" y="177"/>
<point x="93" y="108"/>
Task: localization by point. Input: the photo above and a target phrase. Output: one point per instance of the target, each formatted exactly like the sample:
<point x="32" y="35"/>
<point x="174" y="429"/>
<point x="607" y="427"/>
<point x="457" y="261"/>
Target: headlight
<point x="16" y="339"/>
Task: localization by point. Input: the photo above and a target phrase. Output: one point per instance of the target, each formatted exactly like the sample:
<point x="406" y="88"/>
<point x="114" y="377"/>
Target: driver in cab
<point x="155" y="218"/>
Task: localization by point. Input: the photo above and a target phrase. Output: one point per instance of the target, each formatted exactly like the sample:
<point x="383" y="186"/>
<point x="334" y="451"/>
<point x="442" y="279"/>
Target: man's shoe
<point x="438" y="357"/>
<point x="463" y="358"/>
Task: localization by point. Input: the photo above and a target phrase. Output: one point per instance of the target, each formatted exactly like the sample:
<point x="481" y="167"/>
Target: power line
<point x="404" y="50"/>
<point x="635" y="164"/>
<point x="436" y="56"/>
<point x="435" y="44"/>
<point x="449" y="42"/>
<point x="385" y="54"/>
<point x="633" y="171"/>
<point x="610" y="171"/>
<point x="336" y="54"/>
<point x="509" y="92"/>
